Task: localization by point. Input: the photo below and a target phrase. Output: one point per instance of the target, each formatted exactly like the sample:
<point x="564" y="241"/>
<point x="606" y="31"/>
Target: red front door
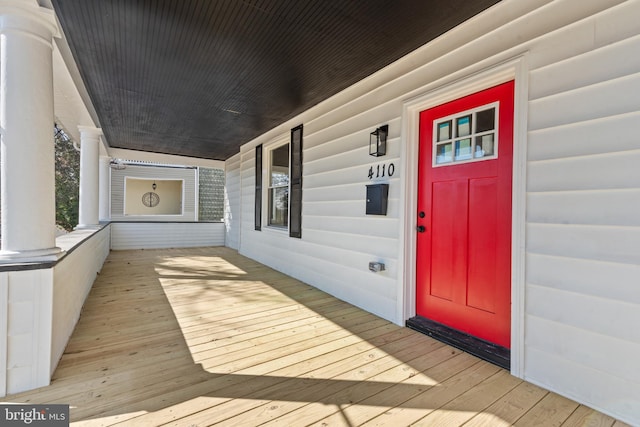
<point x="464" y="214"/>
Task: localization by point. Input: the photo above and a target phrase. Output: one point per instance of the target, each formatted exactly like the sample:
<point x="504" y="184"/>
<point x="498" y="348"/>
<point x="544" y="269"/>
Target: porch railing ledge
<point x="163" y="222"/>
<point x="67" y="242"/>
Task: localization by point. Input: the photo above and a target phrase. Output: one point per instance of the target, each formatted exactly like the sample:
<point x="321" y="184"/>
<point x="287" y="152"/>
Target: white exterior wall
<point x="583" y="231"/>
<point x="39" y="310"/>
<point x="189" y="195"/>
<point x="232" y="206"/>
<point x="580" y="300"/>
<point x="73" y="278"/>
<point x="25" y="329"/>
<point x="156" y="235"/>
<point x="161" y="231"/>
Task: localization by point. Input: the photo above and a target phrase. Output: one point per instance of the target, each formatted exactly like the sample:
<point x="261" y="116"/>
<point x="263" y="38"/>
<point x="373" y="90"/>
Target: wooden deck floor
<point x="196" y="337"/>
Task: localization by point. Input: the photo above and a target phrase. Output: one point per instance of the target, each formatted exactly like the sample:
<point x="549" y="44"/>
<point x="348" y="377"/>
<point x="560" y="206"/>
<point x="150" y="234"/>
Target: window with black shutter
<point x="295" y="206"/>
<point x="258" y="194"/>
<point x="282" y="189"/>
<point x="278" y="186"/>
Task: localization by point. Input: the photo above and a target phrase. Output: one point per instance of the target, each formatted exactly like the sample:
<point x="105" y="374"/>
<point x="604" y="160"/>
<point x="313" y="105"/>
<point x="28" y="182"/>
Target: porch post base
<point x="40" y="255"/>
<point x="87" y="227"/>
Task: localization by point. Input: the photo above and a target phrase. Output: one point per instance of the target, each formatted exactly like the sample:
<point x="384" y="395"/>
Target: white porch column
<point x="105" y="189"/>
<point x="26" y="122"/>
<point x="89" y="173"/>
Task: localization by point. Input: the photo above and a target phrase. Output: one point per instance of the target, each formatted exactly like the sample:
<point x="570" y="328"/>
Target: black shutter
<point x="295" y="197"/>
<point x="258" y="203"/>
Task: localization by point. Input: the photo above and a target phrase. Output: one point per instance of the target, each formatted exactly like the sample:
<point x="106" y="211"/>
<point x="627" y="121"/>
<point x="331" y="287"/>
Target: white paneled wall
<point x="583" y="232"/>
<point x="39" y="309"/>
<point x="338" y="239"/>
<point x="155" y="235"/>
<point x="232" y="207"/>
<point x="25" y="337"/>
<point x="582" y="245"/>
<point x="73" y="278"/>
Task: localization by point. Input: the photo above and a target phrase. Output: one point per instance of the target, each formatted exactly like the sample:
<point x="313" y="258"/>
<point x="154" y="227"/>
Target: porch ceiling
<point x="200" y="78"/>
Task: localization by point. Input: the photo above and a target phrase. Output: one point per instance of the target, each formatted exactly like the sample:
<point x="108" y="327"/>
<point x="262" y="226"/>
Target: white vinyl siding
<point x="338" y="239"/>
<point x="26" y="314"/>
<point x="73" y="278"/>
<point x="582" y="197"/>
<point x="154" y="235"/>
<point x="232" y="201"/>
<point x="583" y="232"/>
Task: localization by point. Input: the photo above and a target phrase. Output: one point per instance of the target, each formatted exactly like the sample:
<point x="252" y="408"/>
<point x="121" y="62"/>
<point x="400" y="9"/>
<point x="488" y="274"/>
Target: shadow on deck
<point x="203" y="336"/>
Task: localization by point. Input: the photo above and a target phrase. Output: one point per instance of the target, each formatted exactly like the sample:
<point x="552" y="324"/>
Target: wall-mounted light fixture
<point x="117" y="164"/>
<point x="378" y="141"/>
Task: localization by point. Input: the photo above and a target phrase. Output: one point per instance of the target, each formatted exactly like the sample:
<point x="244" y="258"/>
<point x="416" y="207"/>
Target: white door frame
<point x="513" y="69"/>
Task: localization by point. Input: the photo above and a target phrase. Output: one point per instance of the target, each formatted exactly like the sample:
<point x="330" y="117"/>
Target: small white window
<point x="467" y="136"/>
<point x="278" y="188"/>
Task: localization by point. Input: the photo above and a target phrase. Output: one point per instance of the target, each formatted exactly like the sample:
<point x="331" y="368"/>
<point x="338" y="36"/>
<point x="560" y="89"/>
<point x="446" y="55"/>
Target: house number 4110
<point x="381" y="171"/>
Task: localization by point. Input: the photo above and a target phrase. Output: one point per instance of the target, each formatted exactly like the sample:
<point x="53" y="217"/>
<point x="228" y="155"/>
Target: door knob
<point x="421" y="228"/>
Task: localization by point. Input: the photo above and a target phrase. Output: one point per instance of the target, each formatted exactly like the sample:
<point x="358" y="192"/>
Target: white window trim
<point x="471" y="136"/>
<point x="267" y="149"/>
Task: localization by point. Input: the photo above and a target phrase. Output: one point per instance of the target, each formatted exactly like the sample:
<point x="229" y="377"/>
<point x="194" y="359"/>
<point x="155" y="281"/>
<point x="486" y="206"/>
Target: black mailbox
<point x="377" y="196"/>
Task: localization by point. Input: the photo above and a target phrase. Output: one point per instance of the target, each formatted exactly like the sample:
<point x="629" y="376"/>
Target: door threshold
<point x="485" y="350"/>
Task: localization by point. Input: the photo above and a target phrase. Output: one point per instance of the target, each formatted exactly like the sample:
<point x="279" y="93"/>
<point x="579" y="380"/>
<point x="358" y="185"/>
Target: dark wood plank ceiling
<point x="202" y="77"/>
